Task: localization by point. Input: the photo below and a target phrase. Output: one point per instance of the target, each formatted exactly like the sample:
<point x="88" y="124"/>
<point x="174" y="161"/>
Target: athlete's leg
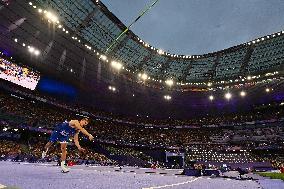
<point x="63" y="150"/>
<point x="46" y="148"/>
<point x="53" y="138"/>
<point x="63" y="146"/>
<point x="48" y="145"/>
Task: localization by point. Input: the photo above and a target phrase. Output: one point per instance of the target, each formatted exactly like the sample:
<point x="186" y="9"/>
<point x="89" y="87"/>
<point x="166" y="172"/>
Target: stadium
<point x="76" y="80"/>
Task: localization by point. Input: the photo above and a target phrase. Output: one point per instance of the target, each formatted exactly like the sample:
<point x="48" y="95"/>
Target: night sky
<point x="193" y="27"/>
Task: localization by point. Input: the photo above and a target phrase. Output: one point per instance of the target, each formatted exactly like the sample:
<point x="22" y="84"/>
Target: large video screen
<point x="19" y="75"/>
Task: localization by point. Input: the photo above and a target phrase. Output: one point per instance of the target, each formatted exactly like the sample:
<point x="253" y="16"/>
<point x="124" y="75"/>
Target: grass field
<point x="273" y="175"/>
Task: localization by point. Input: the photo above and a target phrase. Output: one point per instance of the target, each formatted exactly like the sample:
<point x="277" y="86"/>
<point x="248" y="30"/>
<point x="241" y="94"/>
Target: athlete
<point x="62" y="134"/>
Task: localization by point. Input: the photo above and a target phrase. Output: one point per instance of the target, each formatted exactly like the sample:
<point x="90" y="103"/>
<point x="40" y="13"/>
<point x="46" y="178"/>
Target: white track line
<point x="171" y="185"/>
<point x="2" y="186"/>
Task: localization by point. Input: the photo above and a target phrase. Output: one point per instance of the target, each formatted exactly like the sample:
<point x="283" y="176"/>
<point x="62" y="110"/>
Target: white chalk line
<point x="171" y="185"/>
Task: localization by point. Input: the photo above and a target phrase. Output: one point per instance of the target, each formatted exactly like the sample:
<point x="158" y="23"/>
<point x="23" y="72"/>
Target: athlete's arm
<point x="76" y="124"/>
<point x="76" y="137"/>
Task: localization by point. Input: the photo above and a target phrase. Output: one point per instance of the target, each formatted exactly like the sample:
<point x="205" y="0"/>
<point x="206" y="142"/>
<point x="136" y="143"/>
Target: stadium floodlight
<point x="116" y="65"/>
<point x="249" y="78"/>
<point x="40" y="10"/>
<point x="267" y="90"/>
<point x="160" y="51"/>
<point x="51" y="17"/>
<point x="31" y="49"/>
<point x="36" y="52"/>
<point x="103" y="57"/>
<point x="211" y="97"/>
<point x="228" y="96"/>
<point x="111" y="88"/>
<point x="169" y="82"/>
<point x="16" y="40"/>
<point x="243" y="93"/>
<point x="167" y="97"/>
<point x="144" y="76"/>
<point x="24" y="44"/>
<point x="30" y="3"/>
<point x="209" y="84"/>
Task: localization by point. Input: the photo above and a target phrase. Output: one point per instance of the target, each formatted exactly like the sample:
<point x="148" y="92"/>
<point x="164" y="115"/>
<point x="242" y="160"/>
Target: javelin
<point x="122" y="33"/>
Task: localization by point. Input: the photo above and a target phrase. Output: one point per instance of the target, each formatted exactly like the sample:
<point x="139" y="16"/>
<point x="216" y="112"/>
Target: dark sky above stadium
<point x="200" y="26"/>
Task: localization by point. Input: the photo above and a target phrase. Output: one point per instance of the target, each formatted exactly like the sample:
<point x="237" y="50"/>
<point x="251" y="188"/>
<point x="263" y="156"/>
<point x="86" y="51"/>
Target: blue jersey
<point x="62" y="132"/>
<point x="65" y="129"/>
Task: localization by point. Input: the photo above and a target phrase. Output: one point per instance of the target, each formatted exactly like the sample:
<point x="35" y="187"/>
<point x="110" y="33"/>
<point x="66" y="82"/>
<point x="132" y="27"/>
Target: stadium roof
<point x="198" y="27"/>
<point x="92" y="21"/>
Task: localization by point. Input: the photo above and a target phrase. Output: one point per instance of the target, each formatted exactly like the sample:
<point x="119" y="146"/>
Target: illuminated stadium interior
<point x="61" y="60"/>
<point x="138" y="71"/>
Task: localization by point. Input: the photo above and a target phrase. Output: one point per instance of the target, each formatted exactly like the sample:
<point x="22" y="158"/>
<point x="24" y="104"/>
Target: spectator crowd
<point x="229" y="138"/>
